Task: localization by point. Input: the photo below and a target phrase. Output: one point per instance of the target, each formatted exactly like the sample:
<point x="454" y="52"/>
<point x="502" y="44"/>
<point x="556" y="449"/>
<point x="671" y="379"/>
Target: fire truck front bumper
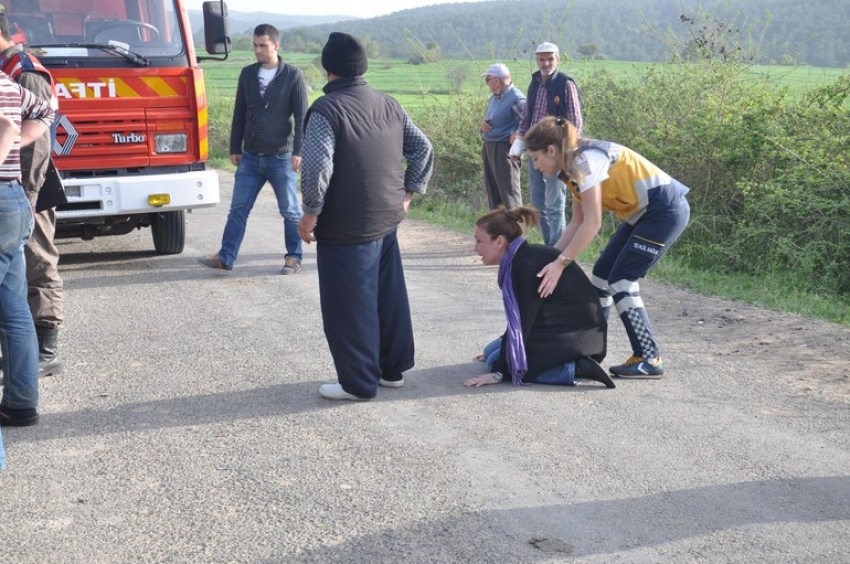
<point x="123" y="195"/>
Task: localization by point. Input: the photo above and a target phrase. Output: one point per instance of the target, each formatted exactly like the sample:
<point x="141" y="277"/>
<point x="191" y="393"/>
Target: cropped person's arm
<point x="299" y="105"/>
<point x="32" y="129"/>
<point x="36" y="117"/>
<point x="585" y="224"/>
<point x="484" y="380"/>
<point x="573" y="105"/>
<point x="518" y="110"/>
<point x="419" y="154"/>
<point x="8" y="132"/>
<point x="583" y="227"/>
<point x="237" y="122"/>
<point x="317" y="168"/>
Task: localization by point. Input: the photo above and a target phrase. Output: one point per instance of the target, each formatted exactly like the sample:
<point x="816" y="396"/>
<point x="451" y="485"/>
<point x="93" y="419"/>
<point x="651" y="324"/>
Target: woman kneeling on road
<point x="558" y="338"/>
<point x="605" y="176"/>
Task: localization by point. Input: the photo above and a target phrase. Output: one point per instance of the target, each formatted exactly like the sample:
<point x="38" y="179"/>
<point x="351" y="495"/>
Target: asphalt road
<point x="188" y="428"/>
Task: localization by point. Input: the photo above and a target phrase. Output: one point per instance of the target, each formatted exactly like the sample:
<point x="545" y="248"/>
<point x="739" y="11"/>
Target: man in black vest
<point x="265" y="145"/>
<point x="355" y="191"/>
<point x="551" y="93"/>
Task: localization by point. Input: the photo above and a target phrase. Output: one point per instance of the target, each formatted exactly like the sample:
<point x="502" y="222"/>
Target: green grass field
<point x="415" y="86"/>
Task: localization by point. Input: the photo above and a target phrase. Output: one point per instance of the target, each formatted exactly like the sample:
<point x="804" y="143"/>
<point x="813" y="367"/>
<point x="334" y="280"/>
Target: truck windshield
<point x="70" y="28"/>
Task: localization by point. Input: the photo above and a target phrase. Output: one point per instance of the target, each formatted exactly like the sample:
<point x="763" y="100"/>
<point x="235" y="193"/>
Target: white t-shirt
<point x="594" y="164"/>
<point x="265" y="76"/>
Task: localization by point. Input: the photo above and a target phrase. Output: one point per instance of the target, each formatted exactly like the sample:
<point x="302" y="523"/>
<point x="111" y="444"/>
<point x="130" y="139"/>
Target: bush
<point x="220" y="110"/>
<point x="769" y="174"/>
<point x="453" y="130"/>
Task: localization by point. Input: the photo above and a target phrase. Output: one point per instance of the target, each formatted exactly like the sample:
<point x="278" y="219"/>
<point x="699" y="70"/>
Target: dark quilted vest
<point x="364" y="200"/>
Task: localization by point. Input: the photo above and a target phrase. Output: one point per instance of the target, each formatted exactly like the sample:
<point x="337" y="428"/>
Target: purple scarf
<point x="515" y="353"/>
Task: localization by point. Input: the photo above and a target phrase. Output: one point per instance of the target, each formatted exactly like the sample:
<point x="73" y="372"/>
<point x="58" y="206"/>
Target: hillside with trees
<point x="777" y="31"/>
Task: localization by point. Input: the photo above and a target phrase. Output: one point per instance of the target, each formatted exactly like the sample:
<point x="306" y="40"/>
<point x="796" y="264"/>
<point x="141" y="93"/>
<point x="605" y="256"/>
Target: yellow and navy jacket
<point x="634" y="183"/>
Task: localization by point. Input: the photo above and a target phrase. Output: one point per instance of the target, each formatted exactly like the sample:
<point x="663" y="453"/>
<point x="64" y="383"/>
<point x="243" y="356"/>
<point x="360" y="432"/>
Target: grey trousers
<point x="501" y="175"/>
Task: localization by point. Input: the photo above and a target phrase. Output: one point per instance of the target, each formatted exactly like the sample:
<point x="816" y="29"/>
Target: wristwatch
<point x="565" y="260"/>
<point x="497" y="376"/>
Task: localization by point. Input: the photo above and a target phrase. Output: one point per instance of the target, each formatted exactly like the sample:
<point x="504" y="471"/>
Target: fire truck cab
<point x="130" y="138"/>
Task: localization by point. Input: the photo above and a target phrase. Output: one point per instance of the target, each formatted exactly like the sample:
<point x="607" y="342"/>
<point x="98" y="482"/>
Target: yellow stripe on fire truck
<point x="115" y="87"/>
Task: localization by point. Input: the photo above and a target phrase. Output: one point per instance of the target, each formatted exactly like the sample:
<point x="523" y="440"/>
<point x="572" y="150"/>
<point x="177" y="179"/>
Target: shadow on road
<point x="257" y="403"/>
<point x="613" y="527"/>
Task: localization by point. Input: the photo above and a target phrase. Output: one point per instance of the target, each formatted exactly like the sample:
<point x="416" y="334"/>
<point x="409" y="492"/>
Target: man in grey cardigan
<point x="265" y="145"/>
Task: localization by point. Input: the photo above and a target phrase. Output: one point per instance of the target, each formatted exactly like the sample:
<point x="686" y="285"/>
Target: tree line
<point x="773" y="31"/>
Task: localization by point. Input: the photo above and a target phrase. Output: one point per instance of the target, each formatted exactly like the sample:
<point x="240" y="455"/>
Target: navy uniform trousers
<point x="365" y="312"/>
<point x="628" y="256"/>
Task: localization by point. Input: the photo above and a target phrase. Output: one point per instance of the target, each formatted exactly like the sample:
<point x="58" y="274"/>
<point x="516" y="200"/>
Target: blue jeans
<point x="492" y="352"/>
<point x="251" y="175"/>
<point x="17" y="332"/>
<point x="549" y="196"/>
<point x="562" y="375"/>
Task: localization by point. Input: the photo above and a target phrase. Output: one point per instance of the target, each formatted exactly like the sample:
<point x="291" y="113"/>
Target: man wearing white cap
<point x="501" y="121"/>
<point x="551" y="93"/>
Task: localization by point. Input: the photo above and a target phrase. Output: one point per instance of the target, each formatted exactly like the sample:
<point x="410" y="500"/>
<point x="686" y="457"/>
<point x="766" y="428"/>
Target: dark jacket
<point x="272" y="123"/>
<point x="564" y="326"/>
<point x="559" y="103"/>
<point x="365" y="197"/>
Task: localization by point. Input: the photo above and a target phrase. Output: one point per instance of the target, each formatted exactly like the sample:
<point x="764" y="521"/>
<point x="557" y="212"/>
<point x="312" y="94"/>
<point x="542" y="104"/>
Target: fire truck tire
<point x="169" y="232"/>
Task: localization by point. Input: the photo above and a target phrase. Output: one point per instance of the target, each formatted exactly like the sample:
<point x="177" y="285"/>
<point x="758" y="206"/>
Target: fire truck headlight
<point x="171" y="143"/>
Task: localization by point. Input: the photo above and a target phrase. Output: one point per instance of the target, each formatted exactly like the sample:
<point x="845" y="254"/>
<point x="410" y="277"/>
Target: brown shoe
<point x="291" y="266"/>
<point x="214" y="262"/>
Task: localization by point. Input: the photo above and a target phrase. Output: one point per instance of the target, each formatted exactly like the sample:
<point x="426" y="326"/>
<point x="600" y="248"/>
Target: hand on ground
<point x="478" y="381"/>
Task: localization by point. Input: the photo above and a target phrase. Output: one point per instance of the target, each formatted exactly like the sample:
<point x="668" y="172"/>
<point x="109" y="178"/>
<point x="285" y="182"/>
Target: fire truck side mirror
<point x="216" y="28"/>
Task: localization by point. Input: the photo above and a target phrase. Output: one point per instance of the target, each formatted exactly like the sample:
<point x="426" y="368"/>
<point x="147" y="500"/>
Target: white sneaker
<point x="391" y="383"/>
<point x="335" y="392"/>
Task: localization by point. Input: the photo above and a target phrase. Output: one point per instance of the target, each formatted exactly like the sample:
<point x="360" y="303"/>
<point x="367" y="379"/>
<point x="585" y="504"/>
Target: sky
<point x="357" y="8"/>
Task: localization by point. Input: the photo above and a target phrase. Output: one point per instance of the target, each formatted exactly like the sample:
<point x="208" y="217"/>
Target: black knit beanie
<point x="343" y="55"/>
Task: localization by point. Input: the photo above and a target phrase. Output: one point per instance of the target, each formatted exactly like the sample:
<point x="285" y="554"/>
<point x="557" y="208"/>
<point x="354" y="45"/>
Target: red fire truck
<point x="130" y="139"/>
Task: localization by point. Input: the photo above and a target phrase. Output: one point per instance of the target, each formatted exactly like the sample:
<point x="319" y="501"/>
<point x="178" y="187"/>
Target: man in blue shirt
<point x="501" y="120"/>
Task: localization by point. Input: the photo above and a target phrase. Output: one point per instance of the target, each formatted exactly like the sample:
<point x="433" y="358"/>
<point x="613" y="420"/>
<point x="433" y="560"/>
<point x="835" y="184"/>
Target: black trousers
<point x="365" y="312"/>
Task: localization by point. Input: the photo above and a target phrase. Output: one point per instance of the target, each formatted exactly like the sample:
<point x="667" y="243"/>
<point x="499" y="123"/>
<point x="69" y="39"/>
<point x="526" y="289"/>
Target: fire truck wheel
<point x="169" y="232"/>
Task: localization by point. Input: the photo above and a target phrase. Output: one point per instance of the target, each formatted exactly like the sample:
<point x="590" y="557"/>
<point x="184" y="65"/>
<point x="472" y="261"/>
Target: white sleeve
<point x="594" y="164"/>
<point x="517" y="148"/>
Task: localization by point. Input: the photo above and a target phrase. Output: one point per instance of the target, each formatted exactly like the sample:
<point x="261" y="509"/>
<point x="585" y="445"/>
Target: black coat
<point x="564" y="326"/>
